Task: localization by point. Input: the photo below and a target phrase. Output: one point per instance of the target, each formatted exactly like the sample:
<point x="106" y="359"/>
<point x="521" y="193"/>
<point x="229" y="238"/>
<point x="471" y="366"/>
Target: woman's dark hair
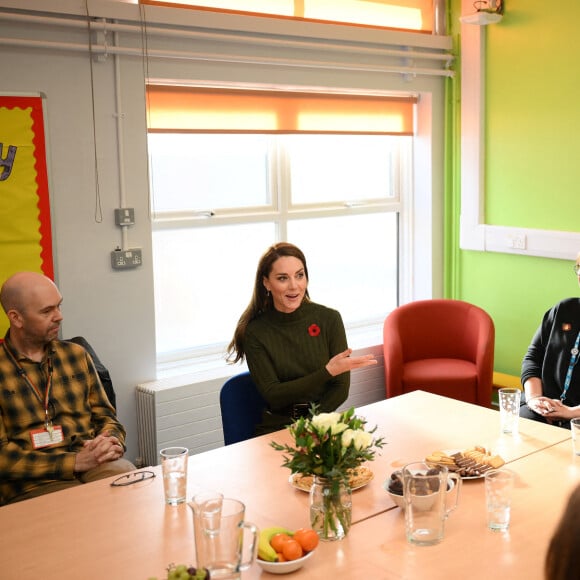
<point x="261" y="299"/>
<point x="563" y="556"/>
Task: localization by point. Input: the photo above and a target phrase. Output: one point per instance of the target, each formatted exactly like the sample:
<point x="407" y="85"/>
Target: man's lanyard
<point x="573" y="361"/>
<point x="24" y="375"/>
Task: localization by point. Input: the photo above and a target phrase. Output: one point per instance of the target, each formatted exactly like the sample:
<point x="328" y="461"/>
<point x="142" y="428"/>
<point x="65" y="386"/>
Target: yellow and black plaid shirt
<point x="78" y="403"/>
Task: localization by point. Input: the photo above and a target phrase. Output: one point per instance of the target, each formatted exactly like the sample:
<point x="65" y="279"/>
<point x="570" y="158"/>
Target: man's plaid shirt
<point x="78" y="404"/>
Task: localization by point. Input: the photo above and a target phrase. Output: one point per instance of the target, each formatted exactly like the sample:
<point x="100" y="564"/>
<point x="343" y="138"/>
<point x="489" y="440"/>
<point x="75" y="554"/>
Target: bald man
<point x="57" y="426"/>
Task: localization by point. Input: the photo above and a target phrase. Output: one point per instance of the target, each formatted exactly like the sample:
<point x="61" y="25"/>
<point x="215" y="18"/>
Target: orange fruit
<point x="307" y="538"/>
<point x="292" y="550"/>
<point x="280" y="557"/>
<point x="278" y="540"/>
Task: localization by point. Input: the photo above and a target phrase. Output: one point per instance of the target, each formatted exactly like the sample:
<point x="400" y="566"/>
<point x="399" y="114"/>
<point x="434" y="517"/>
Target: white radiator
<point x="178" y="411"/>
<point x="185" y="410"/>
<point x="367" y="385"/>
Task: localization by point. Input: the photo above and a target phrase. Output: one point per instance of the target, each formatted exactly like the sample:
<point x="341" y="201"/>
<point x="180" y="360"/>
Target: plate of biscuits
<point x="471" y="463"/>
<point x="358" y="478"/>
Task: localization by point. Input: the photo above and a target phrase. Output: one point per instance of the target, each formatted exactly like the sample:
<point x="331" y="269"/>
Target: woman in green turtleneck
<point x="296" y="350"/>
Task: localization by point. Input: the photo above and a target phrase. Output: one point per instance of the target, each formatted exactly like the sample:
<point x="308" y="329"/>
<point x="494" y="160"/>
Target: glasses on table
<point x="577" y="269"/>
<point x="131" y="478"/>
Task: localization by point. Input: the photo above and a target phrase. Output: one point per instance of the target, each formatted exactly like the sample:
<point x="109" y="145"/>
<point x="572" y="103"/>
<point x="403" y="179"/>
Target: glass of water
<point x="174" y="468"/>
<point x="498" y="496"/>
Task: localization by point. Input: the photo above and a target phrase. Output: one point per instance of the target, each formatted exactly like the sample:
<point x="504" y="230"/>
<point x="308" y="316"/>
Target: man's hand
<point x="343" y="362"/>
<point x="97" y="451"/>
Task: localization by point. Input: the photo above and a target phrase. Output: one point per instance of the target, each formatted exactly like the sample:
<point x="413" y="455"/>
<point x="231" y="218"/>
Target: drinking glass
<point x="509" y="409"/>
<point x="498" y="496"/>
<point x="575" y="428"/>
<point x="174" y="468"/>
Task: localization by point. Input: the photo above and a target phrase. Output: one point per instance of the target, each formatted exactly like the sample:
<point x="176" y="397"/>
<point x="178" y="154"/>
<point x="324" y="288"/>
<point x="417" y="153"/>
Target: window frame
<point x="280" y="213"/>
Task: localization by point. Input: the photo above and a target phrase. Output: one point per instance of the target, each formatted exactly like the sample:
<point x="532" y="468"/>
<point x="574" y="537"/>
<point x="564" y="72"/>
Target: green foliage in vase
<point x="329" y="445"/>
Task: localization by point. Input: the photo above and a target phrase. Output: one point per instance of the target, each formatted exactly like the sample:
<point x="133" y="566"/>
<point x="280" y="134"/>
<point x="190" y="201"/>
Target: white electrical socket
<point x="517" y="241"/>
<point x="520" y="241"/>
<point x="126" y="259"/>
<point x="125" y="216"/>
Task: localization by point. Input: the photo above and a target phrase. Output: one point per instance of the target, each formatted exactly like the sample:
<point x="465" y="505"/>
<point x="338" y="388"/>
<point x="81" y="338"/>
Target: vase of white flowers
<point x="330" y="507"/>
<point x="330" y="447"/>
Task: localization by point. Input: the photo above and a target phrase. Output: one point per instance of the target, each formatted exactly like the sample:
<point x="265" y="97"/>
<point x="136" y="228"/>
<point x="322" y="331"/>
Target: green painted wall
<point x="532" y="167"/>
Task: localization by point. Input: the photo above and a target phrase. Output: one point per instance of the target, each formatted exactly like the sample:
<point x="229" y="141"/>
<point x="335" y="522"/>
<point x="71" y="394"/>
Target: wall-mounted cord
<point x="98" y="206"/>
<point x="145" y="62"/>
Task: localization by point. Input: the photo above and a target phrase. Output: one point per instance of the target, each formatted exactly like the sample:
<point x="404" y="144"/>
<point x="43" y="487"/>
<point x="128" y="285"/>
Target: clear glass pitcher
<point x="428" y="492"/>
<point x="219" y="530"/>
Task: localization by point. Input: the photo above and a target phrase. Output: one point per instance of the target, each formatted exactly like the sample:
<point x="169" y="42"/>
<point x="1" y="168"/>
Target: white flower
<point x="361" y="439"/>
<point x="326" y="421"/>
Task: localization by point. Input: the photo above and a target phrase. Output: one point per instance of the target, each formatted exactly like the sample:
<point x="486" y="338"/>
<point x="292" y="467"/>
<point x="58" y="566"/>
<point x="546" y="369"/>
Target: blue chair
<point x="241" y="407"/>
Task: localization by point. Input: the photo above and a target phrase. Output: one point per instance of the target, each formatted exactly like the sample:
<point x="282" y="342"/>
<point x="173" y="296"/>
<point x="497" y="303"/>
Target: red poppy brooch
<point x="314" y="330"/>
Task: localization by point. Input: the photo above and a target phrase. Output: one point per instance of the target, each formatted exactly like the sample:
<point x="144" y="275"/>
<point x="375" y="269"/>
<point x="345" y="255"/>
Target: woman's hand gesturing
<point x="343" y="362"/>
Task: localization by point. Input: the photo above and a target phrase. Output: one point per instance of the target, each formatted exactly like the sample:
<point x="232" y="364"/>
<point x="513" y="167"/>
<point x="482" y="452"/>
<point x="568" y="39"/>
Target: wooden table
<point x="377" y="548"/>
<point x="95" y="531"/>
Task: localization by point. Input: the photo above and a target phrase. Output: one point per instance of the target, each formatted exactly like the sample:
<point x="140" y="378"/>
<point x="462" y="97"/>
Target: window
<point x="403" y="14"/>
<point x="336" y="197"/>
<point x="221" y="197"/>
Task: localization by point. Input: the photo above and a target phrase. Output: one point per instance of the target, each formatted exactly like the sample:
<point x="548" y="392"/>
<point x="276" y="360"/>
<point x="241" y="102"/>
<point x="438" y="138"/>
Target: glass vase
<point x="330" y="508"/>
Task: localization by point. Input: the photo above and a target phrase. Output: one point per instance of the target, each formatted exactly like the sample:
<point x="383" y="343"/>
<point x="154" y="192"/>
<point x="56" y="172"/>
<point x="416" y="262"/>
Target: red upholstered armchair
<point x="440" y="346"/>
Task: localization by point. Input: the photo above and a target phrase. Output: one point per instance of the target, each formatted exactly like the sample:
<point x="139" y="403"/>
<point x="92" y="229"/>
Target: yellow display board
<point x="25" y="230"/>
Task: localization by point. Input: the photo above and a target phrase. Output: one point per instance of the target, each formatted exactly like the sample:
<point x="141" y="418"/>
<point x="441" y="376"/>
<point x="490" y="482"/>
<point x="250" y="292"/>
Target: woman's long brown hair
<point x="261" y="300"/>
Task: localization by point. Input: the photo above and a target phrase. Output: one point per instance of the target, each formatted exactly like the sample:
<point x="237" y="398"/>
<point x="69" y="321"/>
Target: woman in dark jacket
<point x="549" y="375"/>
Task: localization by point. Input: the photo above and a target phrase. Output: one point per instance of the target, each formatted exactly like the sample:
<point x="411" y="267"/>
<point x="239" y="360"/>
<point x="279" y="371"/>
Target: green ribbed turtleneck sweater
<point x="287" y="358"/>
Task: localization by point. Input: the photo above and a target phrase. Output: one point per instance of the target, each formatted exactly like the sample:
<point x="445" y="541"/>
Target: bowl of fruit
<point x="281" y="551"/>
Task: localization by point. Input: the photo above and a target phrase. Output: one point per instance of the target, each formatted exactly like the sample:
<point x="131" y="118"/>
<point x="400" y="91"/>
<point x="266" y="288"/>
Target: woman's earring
<point x="268" y="293"/>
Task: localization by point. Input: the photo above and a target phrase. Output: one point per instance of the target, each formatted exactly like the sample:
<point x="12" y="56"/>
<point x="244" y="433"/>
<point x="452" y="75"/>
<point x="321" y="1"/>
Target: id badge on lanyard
<point x="573" y="360"/>
<point x="50" y="435"/>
